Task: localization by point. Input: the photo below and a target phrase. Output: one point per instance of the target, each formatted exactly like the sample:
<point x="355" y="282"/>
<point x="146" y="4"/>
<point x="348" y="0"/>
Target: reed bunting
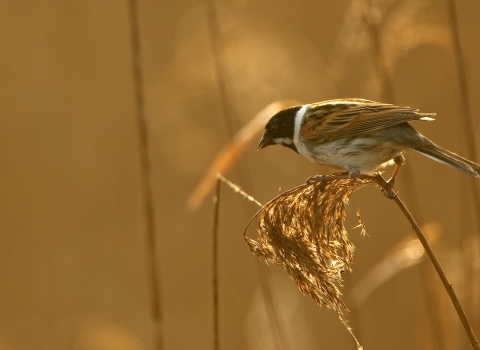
<point x="357" y="135"/>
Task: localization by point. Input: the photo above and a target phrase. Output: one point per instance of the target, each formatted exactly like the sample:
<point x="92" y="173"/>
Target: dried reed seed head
<point x="302" y="230"/>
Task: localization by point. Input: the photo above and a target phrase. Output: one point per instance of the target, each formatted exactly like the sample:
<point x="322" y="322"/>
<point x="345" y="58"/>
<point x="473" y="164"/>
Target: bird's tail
<point x="431" y="150"/>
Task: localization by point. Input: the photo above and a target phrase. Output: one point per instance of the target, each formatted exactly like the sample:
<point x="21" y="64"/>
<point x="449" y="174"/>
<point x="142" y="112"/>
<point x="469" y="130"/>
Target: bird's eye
<point x="274" y="128"/>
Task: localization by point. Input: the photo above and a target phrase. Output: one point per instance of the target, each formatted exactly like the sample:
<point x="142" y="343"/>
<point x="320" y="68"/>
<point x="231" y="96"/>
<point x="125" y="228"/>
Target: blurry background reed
<point x="78" y="115"/>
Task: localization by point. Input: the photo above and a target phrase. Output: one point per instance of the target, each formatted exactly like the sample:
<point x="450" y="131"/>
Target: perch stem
<point x="448" y="286"/>
<point x="216" y="333"/>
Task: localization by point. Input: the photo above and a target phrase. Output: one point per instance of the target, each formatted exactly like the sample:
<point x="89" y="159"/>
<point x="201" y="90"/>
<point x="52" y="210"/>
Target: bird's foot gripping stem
<point x="388" y="191"/>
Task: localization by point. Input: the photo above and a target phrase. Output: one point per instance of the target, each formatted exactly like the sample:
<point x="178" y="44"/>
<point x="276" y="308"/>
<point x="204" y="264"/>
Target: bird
<point x="357" y="135"/>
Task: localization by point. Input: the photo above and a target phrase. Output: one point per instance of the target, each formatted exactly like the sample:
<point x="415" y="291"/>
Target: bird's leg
<point x="399" y="161"/>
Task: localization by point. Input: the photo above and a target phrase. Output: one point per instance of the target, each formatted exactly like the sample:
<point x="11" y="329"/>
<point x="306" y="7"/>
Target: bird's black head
<point x="279" y="129"/>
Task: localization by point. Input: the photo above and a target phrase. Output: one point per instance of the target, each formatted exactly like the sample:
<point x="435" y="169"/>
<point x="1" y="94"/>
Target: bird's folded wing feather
<point x="331" y="120"/>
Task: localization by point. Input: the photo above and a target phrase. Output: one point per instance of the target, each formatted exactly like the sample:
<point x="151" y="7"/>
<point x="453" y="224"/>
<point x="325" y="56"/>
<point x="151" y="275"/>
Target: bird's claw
<point x="388" y="191"/>
<point x="390" y="194"/>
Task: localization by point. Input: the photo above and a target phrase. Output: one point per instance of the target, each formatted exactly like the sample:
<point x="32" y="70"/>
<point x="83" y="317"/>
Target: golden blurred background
<point x="88" y="87"/>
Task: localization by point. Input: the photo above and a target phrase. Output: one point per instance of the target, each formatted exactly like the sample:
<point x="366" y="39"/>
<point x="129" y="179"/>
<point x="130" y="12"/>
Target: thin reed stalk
<point x="153" y="260"/>
<point x="216" y="311"/>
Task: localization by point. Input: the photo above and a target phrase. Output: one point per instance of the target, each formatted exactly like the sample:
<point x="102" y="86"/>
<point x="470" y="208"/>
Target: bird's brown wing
<point x="334" y="119"/>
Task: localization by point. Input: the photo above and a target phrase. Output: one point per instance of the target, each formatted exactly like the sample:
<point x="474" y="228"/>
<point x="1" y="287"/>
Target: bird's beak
<point x="264" y="142"/>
